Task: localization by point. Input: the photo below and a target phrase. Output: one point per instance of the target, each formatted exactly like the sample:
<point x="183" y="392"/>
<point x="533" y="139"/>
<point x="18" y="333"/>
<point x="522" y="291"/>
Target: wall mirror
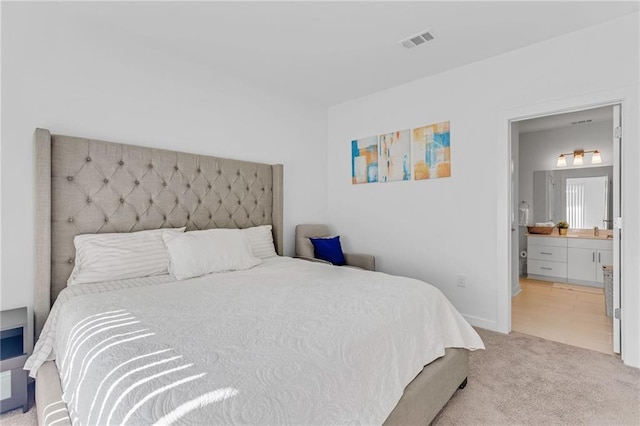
<point x="580" y="196"/>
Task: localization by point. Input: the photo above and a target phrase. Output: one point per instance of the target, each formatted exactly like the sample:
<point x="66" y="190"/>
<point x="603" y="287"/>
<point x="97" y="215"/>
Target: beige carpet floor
<point x="525" y="380"/>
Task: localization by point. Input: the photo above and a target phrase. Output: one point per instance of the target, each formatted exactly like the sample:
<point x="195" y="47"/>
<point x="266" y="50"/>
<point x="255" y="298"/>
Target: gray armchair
<point x="304" y="247"/>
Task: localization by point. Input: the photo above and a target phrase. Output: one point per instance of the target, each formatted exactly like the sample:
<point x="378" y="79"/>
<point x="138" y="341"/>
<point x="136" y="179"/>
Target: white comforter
<point x="287" y="342"/>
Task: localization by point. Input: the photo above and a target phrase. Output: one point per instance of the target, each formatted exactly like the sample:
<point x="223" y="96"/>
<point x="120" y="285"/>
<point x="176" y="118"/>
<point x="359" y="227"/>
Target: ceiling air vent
<point x="416" y="40"/>
<point x="581" y="122"/>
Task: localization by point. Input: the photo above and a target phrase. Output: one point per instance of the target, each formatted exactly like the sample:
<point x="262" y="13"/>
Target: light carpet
<point x="525" y="380"/>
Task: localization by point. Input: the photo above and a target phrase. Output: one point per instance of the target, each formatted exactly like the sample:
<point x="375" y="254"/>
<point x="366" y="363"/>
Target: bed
<point x="260" y="346"/>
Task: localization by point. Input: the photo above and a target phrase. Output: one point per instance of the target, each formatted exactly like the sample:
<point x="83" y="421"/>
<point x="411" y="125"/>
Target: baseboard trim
<point x="481" y="322"/>
<point x="515" y="291"/>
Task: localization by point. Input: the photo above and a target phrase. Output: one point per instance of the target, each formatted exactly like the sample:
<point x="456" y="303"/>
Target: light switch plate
<point x="462" y="280"/>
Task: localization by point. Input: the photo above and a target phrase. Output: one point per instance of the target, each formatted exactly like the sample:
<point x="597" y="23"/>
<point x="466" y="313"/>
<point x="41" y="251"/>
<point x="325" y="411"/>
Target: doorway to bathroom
<point x="565" y="252"/>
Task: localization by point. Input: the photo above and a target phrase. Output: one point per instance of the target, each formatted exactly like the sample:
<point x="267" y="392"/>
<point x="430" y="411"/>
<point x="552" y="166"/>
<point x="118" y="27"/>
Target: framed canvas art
<point x="431" y="151"/>
<point x="364" y="160"/>
<point x="395" y="156"/>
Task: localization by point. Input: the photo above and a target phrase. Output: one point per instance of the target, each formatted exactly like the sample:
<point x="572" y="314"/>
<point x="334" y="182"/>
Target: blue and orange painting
<point x="364" y="160"/>
<point x="432" y="151"/>
<point x="395" y="156"/>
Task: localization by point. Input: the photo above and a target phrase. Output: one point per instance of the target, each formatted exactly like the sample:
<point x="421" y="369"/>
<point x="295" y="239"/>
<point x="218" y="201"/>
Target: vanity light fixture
<point x="578" y="157"/>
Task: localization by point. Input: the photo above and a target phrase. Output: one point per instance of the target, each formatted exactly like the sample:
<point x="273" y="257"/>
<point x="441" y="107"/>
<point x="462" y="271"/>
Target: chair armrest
<point x="313" y="259"/>
<point x="364" y="261"/>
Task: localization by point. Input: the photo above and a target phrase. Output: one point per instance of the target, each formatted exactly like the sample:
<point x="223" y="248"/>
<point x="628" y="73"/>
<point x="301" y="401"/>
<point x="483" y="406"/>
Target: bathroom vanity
<point x="574" y="258"/>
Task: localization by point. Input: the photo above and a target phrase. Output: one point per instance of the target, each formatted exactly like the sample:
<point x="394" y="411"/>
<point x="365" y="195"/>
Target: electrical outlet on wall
<point x="462" y="280"/>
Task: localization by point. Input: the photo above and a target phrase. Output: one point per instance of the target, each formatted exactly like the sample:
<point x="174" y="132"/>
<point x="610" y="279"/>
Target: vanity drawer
<point x="547" y="241"/>
<point x="550" y="269"/>
<point x="589" y="243"/>
<point x="555" y="254"/>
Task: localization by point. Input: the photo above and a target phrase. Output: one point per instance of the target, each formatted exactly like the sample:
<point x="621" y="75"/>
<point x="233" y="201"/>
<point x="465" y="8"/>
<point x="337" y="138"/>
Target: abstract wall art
<point x="395" y="156"/>
<point x="431" y="151"/>
<point x="364" y="160"/>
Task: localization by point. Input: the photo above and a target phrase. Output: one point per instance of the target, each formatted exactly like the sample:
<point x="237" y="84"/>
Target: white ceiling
<point x="596" y="115"/>
<point x="330" y="52"/>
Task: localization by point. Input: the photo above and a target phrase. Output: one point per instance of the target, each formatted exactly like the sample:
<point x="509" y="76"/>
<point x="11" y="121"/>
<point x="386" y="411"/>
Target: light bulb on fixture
<point x="578" y="159"/>
<point x="596" y="158"/>
<point x="562" y="162"/>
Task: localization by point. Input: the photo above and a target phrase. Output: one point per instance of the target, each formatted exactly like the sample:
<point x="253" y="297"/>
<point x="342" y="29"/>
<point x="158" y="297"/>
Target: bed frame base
<point x="49" y="396"/>
<point x="422" y="400"/>
<point x="425" y="396"/>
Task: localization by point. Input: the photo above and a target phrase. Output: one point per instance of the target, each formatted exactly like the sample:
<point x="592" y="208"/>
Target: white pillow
<point x="261" y="241"/>
<point x="197" y="253"/>
<point x="120" y="256"/>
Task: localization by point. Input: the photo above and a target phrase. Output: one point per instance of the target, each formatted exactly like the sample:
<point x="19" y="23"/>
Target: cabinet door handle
<point x="593" y="256"/>
<point x="548" y="269"/>
<point x="599" y="260"/>
<point x="544" y="252"/>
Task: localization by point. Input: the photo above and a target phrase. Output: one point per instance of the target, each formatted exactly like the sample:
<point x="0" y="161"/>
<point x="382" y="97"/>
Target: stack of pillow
<point x="120" y="256"/>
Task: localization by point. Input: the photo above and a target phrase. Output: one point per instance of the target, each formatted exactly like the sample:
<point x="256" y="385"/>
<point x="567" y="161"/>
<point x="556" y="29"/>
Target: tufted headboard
<point x="89" y="186"/>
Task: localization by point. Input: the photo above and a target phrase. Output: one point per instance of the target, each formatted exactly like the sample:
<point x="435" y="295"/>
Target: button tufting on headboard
<point x="89" y="186"/>
<point x="156" y="179"/>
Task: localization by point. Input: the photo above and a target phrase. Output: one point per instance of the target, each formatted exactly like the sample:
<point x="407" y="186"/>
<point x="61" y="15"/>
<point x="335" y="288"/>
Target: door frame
<point x="628" y="99"/>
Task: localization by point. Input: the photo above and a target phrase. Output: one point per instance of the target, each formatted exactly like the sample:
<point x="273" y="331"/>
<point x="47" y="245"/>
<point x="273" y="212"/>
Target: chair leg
<point x="463" y="384"/>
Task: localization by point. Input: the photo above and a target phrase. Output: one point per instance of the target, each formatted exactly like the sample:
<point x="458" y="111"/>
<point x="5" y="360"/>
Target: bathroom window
<point x="587" y="204"/>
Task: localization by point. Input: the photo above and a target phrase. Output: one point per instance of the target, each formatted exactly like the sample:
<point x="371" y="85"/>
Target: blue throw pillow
<point x="328" y="249"/>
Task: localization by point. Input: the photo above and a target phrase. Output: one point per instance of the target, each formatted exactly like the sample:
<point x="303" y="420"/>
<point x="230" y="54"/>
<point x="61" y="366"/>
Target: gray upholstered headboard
<point x="89" y="186"/>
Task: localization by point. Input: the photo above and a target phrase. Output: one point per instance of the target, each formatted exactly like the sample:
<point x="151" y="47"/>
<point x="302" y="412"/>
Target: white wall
<point x="540" y="150"/>
<point x="83" y="81"/>
<point x="435" y="229"/>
